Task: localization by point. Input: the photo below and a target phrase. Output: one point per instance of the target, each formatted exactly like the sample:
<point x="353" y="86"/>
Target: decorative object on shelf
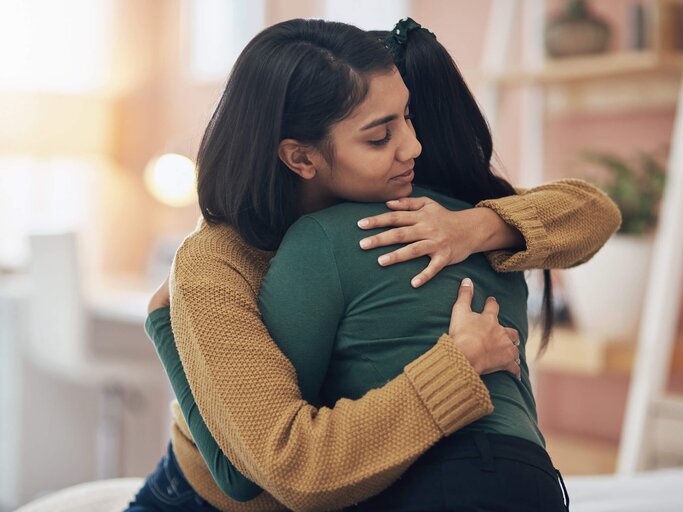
<point x="637" y="34"/>
<point x="606" y="293"/>
<point x="576" y="31"/>
<point x="655" y="26"/>
<point x="666" y="20"/>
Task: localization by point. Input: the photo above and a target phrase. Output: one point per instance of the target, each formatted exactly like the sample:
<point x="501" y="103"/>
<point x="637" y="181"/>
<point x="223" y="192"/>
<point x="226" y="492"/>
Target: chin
<point x="404" y="191"/>
<point x="382" y="195"/>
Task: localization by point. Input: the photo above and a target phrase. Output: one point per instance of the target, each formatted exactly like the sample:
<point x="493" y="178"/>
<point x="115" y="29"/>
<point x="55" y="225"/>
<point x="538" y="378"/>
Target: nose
<point x="410" y="148"/>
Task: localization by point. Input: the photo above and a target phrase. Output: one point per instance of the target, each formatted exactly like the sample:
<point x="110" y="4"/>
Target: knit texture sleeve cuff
<point x="518" y="212"/>
<point x="449" y="387"/>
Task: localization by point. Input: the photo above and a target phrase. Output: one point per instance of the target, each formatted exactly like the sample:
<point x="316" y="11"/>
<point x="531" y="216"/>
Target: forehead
<point x="387" y="95"/>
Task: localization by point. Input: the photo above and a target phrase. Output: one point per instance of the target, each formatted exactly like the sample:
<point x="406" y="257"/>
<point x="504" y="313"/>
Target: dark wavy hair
<point x="456" y="140"/>
<point x="293" y="80"/>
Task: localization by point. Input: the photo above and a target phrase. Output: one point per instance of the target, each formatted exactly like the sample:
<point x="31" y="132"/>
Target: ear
<point x="300" y="158"/>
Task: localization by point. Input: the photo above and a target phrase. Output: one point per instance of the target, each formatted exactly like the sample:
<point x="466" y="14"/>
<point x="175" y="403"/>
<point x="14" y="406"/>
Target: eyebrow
<point x="377" y="122"/>
<point x="383" y="120"/>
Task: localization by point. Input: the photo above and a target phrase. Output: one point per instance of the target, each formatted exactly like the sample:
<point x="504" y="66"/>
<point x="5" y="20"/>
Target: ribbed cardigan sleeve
<point x="564" y="223"/>
<point x="247" y="391"/>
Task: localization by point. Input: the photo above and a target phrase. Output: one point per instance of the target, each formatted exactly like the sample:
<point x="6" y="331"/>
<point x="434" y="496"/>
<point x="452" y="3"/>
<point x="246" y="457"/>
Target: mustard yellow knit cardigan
<point x="247" y="391"/>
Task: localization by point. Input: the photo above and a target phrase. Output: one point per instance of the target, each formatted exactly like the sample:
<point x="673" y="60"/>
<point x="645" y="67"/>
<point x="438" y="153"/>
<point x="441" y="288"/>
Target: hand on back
<point x="489" y="346"/>
<point x="427" y="229"/>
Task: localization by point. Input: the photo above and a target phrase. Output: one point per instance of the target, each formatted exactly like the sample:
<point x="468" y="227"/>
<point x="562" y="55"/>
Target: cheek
<point x="364" y="166"/>
<point x="377" y="164"/>
<point x="365" y="178"/>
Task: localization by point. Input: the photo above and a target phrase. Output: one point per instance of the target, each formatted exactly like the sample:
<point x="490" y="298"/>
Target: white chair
<point x="75" y="341"/>
<point x="59" y="337"/>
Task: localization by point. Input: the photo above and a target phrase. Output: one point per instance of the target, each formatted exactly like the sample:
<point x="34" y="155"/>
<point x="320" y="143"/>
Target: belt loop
<point x="482" y="443"/>
<point x="564" y="489"/>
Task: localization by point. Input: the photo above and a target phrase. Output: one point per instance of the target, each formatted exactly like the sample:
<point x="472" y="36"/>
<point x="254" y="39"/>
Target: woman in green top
<point x="349" y="325"/>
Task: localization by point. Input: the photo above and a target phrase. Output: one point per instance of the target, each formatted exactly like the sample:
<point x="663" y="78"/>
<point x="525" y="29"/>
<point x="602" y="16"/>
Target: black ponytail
<point x="456" y="140"/>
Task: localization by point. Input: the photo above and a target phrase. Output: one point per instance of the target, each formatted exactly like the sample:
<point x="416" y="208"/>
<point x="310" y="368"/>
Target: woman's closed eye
<point x="387" y="137"/>
<point x="383" y="141"/>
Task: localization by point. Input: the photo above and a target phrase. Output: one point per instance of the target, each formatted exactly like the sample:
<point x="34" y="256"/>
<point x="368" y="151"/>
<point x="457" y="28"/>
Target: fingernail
<point x="383" y="260"/>
<point x="393" y="202"/>
<point x="466" y="282"/>
<point x="365" y="243"/>
<point x="363" y="223"/>
<point x="416" y="282"/>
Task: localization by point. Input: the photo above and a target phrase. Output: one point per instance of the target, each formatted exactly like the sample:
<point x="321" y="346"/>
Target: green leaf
<point x="636" y="186"/>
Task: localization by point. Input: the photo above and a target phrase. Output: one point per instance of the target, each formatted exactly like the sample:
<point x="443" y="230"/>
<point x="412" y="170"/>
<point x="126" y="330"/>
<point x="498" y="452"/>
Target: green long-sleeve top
<point x="349" y="325"/>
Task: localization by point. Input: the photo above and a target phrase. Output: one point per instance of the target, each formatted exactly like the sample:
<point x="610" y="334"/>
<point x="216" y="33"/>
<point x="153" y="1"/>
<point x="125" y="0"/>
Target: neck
<point x="311" y="198"/>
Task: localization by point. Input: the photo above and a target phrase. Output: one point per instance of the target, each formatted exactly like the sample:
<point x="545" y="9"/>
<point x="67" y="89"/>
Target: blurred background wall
<point x="92" y="92"/>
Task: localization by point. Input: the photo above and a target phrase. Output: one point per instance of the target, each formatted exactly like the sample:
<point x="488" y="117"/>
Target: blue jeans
<point x="167" y="490"/>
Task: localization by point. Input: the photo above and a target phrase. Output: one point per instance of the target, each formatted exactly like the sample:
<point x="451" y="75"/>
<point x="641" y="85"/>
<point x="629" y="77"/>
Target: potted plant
<point x="606" y="294"/>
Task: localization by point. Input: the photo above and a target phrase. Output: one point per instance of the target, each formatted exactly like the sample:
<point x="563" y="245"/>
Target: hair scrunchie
<point x="398" y="37"/>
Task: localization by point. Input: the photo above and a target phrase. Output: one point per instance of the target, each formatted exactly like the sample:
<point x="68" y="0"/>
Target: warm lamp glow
<point x="171" y="179"/>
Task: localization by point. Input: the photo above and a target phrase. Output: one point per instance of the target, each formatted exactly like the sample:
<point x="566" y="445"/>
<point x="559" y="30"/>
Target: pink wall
<point x="618" y="133"/>
<point x="590" y="406"/>
<point x="459" y="25"/>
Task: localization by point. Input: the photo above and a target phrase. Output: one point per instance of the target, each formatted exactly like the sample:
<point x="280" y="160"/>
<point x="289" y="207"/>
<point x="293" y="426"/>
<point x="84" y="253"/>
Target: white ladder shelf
<point x="647" y="405"/>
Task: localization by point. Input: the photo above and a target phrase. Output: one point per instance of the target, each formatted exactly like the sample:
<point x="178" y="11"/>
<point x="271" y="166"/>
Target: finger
<point x="510" y="356"/>
<point x="516" y="365"/>
<point x="435" y="266"/>
<point x="404" y="235"/>
<point x="513" y="335"/>
<point x="389" y="219"/>
<point x="408" y="203"/>
<point x="409" y="252"/>
<point x="491" y="307"/>
<point x="515" y="370"/>
<point x="465" y="294"/>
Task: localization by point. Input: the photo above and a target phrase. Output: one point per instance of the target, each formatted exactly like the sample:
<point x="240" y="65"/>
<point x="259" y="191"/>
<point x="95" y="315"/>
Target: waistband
<point x="486" y="446"/>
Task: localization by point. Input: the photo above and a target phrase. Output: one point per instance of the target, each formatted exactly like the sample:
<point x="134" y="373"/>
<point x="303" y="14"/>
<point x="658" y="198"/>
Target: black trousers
<point x="475" y="471"/>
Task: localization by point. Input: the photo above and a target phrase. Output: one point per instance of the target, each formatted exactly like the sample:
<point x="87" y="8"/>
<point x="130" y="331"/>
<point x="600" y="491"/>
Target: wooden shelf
<point x="579" y="353"/>
<point x="622" y="65"/>
<point x="606" y="83"/>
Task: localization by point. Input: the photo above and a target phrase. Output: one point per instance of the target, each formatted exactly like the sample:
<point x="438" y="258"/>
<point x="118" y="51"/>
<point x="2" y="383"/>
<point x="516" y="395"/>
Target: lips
<point x="406" y="177"/>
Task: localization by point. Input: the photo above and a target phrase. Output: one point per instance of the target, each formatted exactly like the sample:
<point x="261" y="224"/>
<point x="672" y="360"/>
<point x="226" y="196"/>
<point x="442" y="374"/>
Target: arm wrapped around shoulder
<point x="564" y="223"/>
